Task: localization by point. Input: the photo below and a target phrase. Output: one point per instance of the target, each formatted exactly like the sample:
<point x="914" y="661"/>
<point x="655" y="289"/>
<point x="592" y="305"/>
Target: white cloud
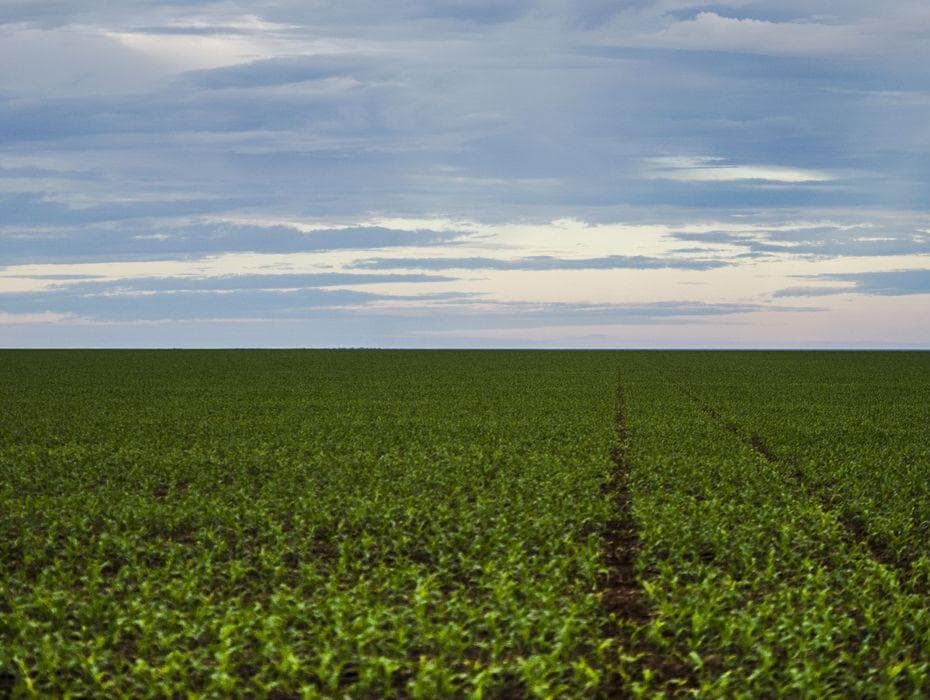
<point x="705" y="169"/>
<point x="182" y="52"/>
<point x="205" y="43"/>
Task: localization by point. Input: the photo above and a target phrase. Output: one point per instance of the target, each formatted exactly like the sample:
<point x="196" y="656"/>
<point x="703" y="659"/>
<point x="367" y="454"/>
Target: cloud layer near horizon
<point x="441" y="172"/>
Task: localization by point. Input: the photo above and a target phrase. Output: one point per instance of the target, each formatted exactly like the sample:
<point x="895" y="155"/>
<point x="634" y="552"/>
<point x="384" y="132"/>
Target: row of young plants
<point x="756" y="587"/>
<point x="303" y="523"/>
<point x="854" y="428"/>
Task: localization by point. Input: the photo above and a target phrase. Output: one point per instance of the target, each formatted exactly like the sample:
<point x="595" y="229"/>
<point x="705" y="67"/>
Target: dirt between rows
<point x="623" y="598"/>
<point x="623" y="594"/>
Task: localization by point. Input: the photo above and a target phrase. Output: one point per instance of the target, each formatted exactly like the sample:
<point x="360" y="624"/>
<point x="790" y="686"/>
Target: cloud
<point x="149" y="301"/>
<point x="541" y="262"/>
<point x="819" y="241"/>
<point x="709" y="31"/>
<point x="180" y="305"/>
<point x="480" y="12"/>
<point x="279" y="71"/>
<point x="34" y="210"/>
<point x="67" y="63"/>
<point x="142" y="241"/>
<point x="89" y="284"/>
<point x="704" y="169"/>
<point x="890" y="283"/>
<point x="583" y="314"/>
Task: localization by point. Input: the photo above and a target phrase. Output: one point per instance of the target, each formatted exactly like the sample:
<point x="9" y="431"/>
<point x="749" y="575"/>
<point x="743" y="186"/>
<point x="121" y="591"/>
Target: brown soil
<point x="623" y="597"/>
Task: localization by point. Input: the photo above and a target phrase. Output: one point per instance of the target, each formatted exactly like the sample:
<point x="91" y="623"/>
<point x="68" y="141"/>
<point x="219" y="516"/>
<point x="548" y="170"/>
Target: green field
<point x="445" y="523"/>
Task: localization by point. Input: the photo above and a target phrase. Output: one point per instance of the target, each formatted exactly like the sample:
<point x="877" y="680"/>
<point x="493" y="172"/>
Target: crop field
<point x="464" y="524"/>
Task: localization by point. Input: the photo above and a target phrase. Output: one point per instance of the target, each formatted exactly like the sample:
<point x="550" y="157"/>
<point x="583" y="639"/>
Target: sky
<point x="465" y="173"/>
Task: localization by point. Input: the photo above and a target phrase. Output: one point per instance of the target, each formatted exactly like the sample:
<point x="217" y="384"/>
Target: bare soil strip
<point x="623" y="595"/>
<point x="623" y="598"/>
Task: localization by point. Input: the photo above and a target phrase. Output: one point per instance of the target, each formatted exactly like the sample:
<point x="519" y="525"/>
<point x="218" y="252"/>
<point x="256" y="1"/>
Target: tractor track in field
<point x="854" y="529"/>
<point x="623" y="596"/>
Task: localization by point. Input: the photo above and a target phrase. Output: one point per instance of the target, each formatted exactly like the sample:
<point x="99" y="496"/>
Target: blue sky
<point x="451" y="173"/>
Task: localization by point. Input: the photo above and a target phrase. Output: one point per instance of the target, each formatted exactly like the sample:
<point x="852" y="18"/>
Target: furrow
<point x="623" y="595"/>
<point x="628" y="611"/>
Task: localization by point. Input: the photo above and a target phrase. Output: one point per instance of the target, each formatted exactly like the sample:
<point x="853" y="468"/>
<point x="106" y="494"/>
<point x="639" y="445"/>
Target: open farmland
<point x="423" y="524"/>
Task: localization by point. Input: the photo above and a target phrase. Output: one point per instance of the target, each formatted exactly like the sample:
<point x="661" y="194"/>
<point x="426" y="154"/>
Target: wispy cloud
<point x="709" y="31"/>
<point x="113" y="302"/>
<point x="143" y="241"/>
<point x="542" y="262"/>
<point x="88" y="284"/>
<point x="825" y="240"/>
<point x="281" y="71"/>
<point x="890" y="283"/>
<point x="182" y="304"/>
<point x="707" y="169"/>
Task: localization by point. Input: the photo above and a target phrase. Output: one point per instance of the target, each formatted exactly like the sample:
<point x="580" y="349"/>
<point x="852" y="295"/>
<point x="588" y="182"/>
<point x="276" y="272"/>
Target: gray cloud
<point x="892" y="283"/>
<point x="588" y="133"/>
<point x="88" y="284"/>
<point x="278" y="71"/>
<point x="145" y="242"/>
<point x="824" y="241"/>
<point x="33" y="210"/>
<point x="232" y="296"/>
<point x="708" y="30"/>
<point x="149" y="301"/>
<point x="263" y="281"/>
<point x="180" y="305"/>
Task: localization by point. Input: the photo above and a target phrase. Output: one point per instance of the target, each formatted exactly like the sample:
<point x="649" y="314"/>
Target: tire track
<point x="854" y="529"/>
<point x="623" y="598"/>
<point x="623" y="594"/>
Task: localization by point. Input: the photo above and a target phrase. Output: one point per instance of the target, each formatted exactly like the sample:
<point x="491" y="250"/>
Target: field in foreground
<point x="555" y="524"/>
